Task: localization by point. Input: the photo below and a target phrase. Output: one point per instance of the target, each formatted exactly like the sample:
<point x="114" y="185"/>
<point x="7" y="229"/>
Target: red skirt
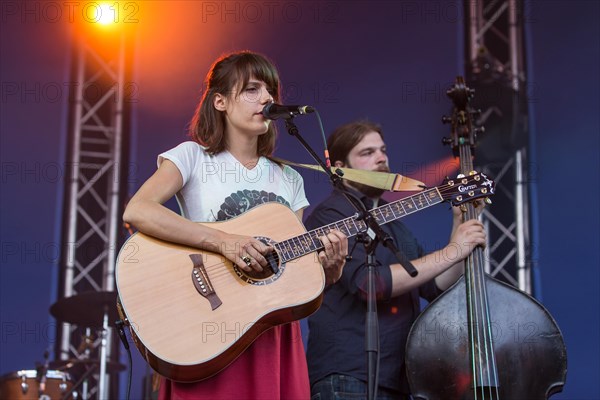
<point x="273" y="367"/>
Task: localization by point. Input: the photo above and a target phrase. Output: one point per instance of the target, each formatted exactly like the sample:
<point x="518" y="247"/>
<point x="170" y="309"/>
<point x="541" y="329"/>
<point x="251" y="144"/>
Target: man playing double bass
<point x="336" y="345"/>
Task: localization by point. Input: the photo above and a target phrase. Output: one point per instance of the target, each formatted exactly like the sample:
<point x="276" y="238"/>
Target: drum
<point x="25" y="385"/>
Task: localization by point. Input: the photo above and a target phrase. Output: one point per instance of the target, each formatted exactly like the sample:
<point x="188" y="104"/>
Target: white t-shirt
<point x="218" y="187"/>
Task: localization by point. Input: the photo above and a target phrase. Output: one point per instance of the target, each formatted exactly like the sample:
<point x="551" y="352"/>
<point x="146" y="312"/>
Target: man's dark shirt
<point x="336" y="341"/>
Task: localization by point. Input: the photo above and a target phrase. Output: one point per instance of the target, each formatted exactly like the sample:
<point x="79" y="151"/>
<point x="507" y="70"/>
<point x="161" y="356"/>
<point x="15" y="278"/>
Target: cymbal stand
<point x="81" y="382"/>
<point x="85" y="347"/>
<point x="85" y="381"/>
<point x="103" y="343"/>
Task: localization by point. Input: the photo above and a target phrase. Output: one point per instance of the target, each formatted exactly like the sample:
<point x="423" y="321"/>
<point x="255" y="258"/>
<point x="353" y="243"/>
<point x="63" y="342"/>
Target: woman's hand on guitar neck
<point x="333" y="256"/>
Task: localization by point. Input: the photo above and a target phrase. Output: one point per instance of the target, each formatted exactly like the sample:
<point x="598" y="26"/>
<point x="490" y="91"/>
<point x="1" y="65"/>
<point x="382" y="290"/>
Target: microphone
<point x="276" y="111"/>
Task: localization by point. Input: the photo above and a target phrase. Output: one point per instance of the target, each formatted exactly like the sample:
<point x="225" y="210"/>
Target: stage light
<point x="102" y="25"/>
<point x="109" y="14"/>
<point x="105" y="14"/>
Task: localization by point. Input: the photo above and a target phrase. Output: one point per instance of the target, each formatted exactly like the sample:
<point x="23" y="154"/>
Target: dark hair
<point x="230" y="72"/>
<point x="345" y="137"/>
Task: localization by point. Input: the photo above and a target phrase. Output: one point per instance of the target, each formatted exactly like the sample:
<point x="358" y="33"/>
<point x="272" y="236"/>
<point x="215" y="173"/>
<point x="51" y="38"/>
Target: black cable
<point x="121" y="331"/>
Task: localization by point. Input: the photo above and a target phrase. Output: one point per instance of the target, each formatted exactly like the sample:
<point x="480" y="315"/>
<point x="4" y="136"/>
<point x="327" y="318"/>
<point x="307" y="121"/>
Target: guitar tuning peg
<point x="488" y="200"/>
<point x="446" y="141"/>
<point x="446" y="119"/>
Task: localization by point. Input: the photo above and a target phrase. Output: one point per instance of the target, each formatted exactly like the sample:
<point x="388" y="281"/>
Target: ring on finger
<point x="247" y="260"/>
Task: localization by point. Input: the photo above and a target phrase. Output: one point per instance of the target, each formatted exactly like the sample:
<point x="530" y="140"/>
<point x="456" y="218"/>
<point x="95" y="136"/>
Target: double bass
<point x="482" y="339"/>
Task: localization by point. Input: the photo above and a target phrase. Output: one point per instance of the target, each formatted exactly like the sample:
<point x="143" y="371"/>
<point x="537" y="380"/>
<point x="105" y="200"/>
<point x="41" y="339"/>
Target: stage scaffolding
<point x="97" y="161"/>
<point x="496" y="69"/>
<point x="98" y="169"/>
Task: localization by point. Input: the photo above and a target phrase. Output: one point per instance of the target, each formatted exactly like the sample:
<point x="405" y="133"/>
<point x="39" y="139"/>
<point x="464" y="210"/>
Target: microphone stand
<point x="370" y="239"/>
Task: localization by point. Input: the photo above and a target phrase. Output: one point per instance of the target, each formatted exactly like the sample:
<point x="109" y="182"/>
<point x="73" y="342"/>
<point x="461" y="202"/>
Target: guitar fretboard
<point x="308" y="242"/>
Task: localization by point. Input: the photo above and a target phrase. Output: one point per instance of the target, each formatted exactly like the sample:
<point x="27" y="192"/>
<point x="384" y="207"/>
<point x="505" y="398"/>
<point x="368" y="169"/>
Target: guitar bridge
<point x="202" y="282"/>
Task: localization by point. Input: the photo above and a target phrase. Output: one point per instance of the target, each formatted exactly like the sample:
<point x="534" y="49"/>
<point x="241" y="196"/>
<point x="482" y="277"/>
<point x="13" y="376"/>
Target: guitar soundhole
<point x="268" y="274"/>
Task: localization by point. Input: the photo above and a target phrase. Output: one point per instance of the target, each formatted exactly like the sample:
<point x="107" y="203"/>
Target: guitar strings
<point x="223" y="268"/>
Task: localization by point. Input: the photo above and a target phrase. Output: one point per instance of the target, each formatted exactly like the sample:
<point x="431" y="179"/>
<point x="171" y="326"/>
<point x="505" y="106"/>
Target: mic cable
<point x="121" y="331"/>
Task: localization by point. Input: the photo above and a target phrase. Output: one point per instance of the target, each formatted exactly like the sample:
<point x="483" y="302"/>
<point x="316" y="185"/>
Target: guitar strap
<point x="381" y="180"/>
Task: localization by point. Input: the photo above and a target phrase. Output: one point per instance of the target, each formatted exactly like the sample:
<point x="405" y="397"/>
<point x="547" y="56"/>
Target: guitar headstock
<point x="465" y="188"/>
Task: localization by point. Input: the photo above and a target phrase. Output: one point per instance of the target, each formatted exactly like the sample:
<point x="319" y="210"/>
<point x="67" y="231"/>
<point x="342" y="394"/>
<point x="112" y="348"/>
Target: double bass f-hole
<point x="480" y="358"/>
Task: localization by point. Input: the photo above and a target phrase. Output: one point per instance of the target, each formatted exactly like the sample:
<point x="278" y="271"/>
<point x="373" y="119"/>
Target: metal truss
<point x="495" y="35"/>
<point x="98" y="113"/>
<point x="507" y="253"/>
<point x="496" y="70"/>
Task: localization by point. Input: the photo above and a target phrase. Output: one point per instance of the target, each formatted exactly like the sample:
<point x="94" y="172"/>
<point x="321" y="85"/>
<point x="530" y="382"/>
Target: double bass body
<point x="528" y="348"/>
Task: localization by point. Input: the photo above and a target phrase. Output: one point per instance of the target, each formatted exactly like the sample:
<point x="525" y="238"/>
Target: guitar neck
<point x="308" y="242"/>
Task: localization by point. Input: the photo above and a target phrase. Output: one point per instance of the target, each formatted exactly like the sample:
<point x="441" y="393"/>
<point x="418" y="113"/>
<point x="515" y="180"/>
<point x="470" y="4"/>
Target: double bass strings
<point x="478" y="309"/>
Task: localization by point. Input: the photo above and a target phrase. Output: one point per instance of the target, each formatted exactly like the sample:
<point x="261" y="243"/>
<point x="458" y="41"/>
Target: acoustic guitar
<point x="192" y="312"/>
